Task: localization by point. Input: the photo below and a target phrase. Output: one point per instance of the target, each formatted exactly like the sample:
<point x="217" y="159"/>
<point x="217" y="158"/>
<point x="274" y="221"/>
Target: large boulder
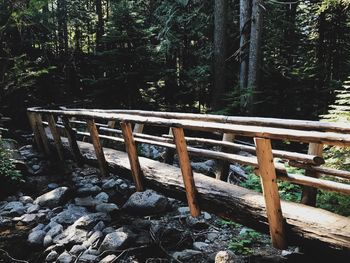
<point x="52" y="198"/>
<point x="36" y="237"/>
<point x="146" y="203"/>
<point x="115" y="240"/>
<point x="70" y="214"/>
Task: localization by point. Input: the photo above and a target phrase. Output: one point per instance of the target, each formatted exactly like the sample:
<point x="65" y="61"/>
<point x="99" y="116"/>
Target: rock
<point x="4" y="221"/>
<point x="89" y="190"/>
<point x="36" y="237"/>
<point x="36" y="167"/>
<point x="88" y="258"/>
<point x="38" y="227"/>
<point x="33" y="209"/>
<point x="77" y="249"/>
<point x="13" y="208"/>
<point x="225" y="257"/>
<point x="26" y="199"/>
<point x="47" y="240"/>
<point x="94" y="239"/>
<point x="212" y="236"/>
<point x="108" y="230"/>
<point x="52" y="198"/>
<point x="102" y="197"/>
<point x="71" y="235"/>
<point x="201" y="246"/>
<point x="52" y="186"/>
<point x="27" y="218"/>
<point x="65" y="257"/>
<point x="183" y="210"/>
<point x="109" y="259"/>
<point x="87" y="201"/>
<point x="52" y="256"/>
<point x="57" y="209"/>
<point x="146" y="203"/>
<point x="99" y="226"/>
<point x="90" y="220"/>
<point x="198" y="223"/>
<point x="110" y="184"/>
<point x="114" y="241"/>
<point x="186" y="254"/>
<point x="107" y="208"/>
<point x="55" y="230"/>
<point x="70" y="215"/>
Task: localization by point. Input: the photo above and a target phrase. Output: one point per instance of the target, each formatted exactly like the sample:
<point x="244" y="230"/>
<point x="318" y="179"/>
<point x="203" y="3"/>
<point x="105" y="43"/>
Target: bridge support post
<point x="309" y="194"/>
<point x="131" y="150"/>
<point x="97" y="146"/>
<point x="72" y="140"/>
<point x="186" y="170"/>
<point x="42" y="133"/>
<point x="270" y="191"/>
<point x="56" y="136"/>
<point x="223" y="168"/>
<point x="34" y="126"/>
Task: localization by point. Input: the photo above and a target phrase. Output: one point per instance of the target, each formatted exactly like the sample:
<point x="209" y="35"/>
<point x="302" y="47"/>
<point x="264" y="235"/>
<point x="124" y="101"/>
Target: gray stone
<point x="13" y="208"/>
<point x="47" y="240"/>
<point x="146" y="203"/>
<point x="36" y="167"/>
<point x="198" y="223"/>
<point x="70" y="215"/>
<point x="36" y="237"/>
<point x="89" y="190"/>
<point x="201" y="246"/>
<point x="77" y="249"/>
<point x="26" y="199"/>
<point x="99" y="226"/>
<point x="4" y="221"/>
<point x="108" y="230"/>
<point x="55" y="230"/>
<point x="108" y="259"/>
<point x="114" y="241"/>
<point x="94" y="239"/>
<point x="88" y="258"/>
<point x="225" y="257"/>
<point x="106" y="208"/>
<point x="110" y="184"/>
<point x="52" y="198"/>
<point x="90" y="220"/>
<point x="57" y="209"/>
<point x="38" y="227"/>
<point x="52" y="186"/>
<point x="71" y="235"/>
<point x="33" y="209"/>
<point x="212" y="236"/>
<point x="65" y="257"/>
<point x="102" y="197"/>
<point x="52" y="256"/>
<point x="186" y="254"/>
<point x="50" y="225"/>
<point x="183" y="210"/>
<point x="87" y="201"/>
<point x="27" y="218"/>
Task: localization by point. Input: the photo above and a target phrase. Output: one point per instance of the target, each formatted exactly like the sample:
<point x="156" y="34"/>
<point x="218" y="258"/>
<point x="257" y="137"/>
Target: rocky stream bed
<point x="73" y="215"/>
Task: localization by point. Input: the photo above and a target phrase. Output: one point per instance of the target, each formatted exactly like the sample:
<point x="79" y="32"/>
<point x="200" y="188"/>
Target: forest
<point x="265" y="58"/>
<point x="174" y="131"/>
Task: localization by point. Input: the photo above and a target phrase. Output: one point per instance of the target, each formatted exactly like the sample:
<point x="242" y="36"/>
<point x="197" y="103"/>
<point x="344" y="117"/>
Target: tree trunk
<point x="244" y="27"/>
<point x="219" y="53"/>
<point x="62" y="26"/>
<point x="100" y="25"/>
<point x="254" y="53"/>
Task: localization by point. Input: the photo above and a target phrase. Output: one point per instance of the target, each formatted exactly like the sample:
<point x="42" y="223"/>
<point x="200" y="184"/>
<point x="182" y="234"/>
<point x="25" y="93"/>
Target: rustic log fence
<point x="262" y="130"/>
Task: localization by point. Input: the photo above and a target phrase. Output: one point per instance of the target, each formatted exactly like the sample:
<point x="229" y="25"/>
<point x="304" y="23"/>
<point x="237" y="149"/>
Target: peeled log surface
<point x="306" y="225"/>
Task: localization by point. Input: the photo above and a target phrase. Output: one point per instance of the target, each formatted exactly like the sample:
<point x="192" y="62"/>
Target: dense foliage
<point x="159" y="55"/>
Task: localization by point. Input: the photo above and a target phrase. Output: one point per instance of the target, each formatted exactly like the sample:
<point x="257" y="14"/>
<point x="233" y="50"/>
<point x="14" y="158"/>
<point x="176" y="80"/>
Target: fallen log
<point x="305" y="225"/>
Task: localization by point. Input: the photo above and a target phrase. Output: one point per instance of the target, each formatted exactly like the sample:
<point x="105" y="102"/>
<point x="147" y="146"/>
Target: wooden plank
<point x="130" y="146"/>
<point x="309" y="194"/>
<point x="306" y="226"/>
<point x="223" y="168"/>
<point x="42" y="133"/>
<point x="33" y="125"/>
<point x="270" y="191"/>
<point x="329" y="138"/>
<point x="97" y="146"/>
<point x="72" y="140"/>
<point x="186" y="170"/>
<point x="56" y="136"/>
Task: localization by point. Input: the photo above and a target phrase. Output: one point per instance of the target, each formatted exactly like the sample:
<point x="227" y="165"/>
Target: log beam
<point x="56" y="136"/>
<point x="37" y="139"/>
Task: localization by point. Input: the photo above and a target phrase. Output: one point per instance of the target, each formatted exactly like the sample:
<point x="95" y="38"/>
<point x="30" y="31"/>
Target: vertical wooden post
<point x="56" y="136"/>
<point x="42" y="133"/>
<point x="270" y="190"/>
<point x="72" y="140"/>
<point x="130" y="147"/>
<point x="97" y="146"/>
<point x="186" y="171"/>
<point x="223" y="168"/>
<point x="37" y="139"/>
<point x="309" y="194"/>
<point x="169" y="153"/>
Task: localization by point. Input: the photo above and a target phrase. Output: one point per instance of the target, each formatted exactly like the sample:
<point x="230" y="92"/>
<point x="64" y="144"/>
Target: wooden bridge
<point x="287" y="222"/>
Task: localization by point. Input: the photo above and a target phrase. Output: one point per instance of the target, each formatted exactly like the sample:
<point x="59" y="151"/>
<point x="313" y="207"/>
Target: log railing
<point x="262" y="130"/>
